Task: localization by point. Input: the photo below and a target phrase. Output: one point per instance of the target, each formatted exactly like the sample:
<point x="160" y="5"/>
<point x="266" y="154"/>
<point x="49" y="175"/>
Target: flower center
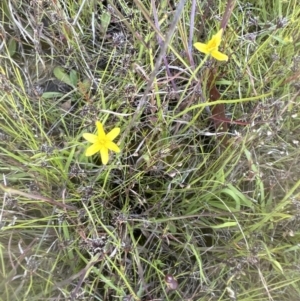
<point x="102" y="141"/>
<point x="212" y="46"/>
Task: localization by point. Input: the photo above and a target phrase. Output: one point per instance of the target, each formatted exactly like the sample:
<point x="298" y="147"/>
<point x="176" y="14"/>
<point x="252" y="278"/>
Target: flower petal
<point x="217" y="38"/>
<point x="93" y="149"/>
<point x="113" y="134"/>
<point x="112" y="146"/>
<point x="104" y="155"/>
<point x="202" y="47"/>
<point x="90" y="137"/>
<point x="101" y="133"/>
<point x="219" y="55"/>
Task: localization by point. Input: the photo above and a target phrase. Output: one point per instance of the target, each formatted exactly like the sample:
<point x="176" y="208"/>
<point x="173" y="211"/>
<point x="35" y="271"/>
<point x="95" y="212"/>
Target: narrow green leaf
<point x="12" y="46"/>
<point x="48" y="95"/>
<point x="225" y="225"/>
<point x="61" y="75"/>
<point x="73" y="77"/>
<point x="105" y="21"/>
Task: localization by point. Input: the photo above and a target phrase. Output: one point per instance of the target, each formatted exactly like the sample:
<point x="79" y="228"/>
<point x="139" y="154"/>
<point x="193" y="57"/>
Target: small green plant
<point x="71" y="79"/>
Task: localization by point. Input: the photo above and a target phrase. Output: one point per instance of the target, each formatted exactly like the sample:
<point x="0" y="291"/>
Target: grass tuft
<point x="202" y="203"/>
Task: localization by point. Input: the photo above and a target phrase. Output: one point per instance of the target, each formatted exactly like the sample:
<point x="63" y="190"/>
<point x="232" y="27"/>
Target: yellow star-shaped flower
<point x="212" y="47"/>
<point x="102" y="142"/>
